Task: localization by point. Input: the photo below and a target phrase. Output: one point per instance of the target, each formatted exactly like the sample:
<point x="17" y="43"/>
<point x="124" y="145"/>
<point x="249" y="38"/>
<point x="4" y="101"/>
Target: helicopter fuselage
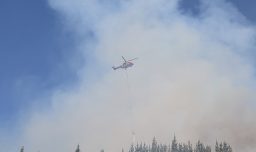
<point x="126" y="64"/>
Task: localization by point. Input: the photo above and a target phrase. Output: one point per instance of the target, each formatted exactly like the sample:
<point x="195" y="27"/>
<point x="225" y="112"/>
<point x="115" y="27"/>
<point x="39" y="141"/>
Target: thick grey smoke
<point x="193" y="78"/>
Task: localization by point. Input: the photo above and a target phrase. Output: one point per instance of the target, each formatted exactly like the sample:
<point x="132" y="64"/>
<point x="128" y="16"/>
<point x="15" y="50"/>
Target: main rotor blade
<point x="133" y="59"/>
<point x="124" y="59"/>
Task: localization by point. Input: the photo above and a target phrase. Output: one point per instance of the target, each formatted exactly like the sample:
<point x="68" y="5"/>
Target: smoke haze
<point x="194" y="77"/>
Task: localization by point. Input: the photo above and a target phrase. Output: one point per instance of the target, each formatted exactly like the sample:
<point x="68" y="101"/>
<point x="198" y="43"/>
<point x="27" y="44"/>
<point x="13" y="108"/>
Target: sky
<point x="34" y="50"/>
<point x="56" y="58"/>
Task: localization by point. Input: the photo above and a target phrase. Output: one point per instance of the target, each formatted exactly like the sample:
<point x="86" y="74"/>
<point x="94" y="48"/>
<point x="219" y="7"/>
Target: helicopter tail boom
<point x="115" y="68"/>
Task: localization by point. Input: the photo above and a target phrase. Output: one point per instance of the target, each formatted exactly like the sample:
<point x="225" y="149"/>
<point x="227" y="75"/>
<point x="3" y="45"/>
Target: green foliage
<point x="222" y="147"/>
<point x="22" y="149"/>
<point x="179" y="147"/>
<point x="174" y="145"/>
<point x="77" y="149"/>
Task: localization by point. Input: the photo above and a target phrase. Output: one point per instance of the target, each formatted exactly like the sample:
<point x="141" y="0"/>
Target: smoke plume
<point x="194" y="77"/>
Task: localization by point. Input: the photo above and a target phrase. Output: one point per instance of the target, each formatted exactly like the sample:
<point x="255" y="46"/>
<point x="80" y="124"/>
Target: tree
<point x="174" y="145"/>
<point x="207" y="149"/>
<point x="201" y="148"/>
<point x="145" y="148"/>
<point x="154" y="145"/>
<point x="217" y="148"/>
<point x="78" y="149"/>
<point x="169" y="148"/>
<point x="22" y="149"/>
<point x="222" y="147"/>
<point x="131" y="148"/>
<point x="190" y="148"/>
<point x="179" y="147"/>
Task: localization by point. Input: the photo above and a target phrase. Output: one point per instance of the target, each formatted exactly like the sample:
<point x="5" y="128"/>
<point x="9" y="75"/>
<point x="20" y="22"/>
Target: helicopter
<point x="125" y="65"/>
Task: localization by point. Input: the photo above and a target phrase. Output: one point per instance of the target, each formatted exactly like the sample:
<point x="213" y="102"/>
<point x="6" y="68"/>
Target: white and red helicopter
<point x="125" y="65"/>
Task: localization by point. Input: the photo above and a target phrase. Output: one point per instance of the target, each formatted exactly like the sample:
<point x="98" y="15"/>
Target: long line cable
<point x="130" y="98"/>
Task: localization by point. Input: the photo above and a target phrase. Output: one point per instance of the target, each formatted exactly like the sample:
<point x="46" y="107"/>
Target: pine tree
<point x="225" y="147"/>
<point x="217" y="148"/>
<point x="131" y="148"/>
<point x="154" y="145"/>
<point x="137" y="148"/>
<point x="201" y="148"/>
<point x="208" y="149"/>
<point x="180" y="149"/>
<point x="165" y="148"/>
<point x="221" y="147"/>
<point x="185" y="148"/>
<point x="169" y="148"/>
<point x="229" y="149"/>
<point x="22" y="149"/>
<point x="78" y="149"/>
<point x="174" y="145"/>
<point x="190" y="148"/>
<point x="145" y="148"/>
